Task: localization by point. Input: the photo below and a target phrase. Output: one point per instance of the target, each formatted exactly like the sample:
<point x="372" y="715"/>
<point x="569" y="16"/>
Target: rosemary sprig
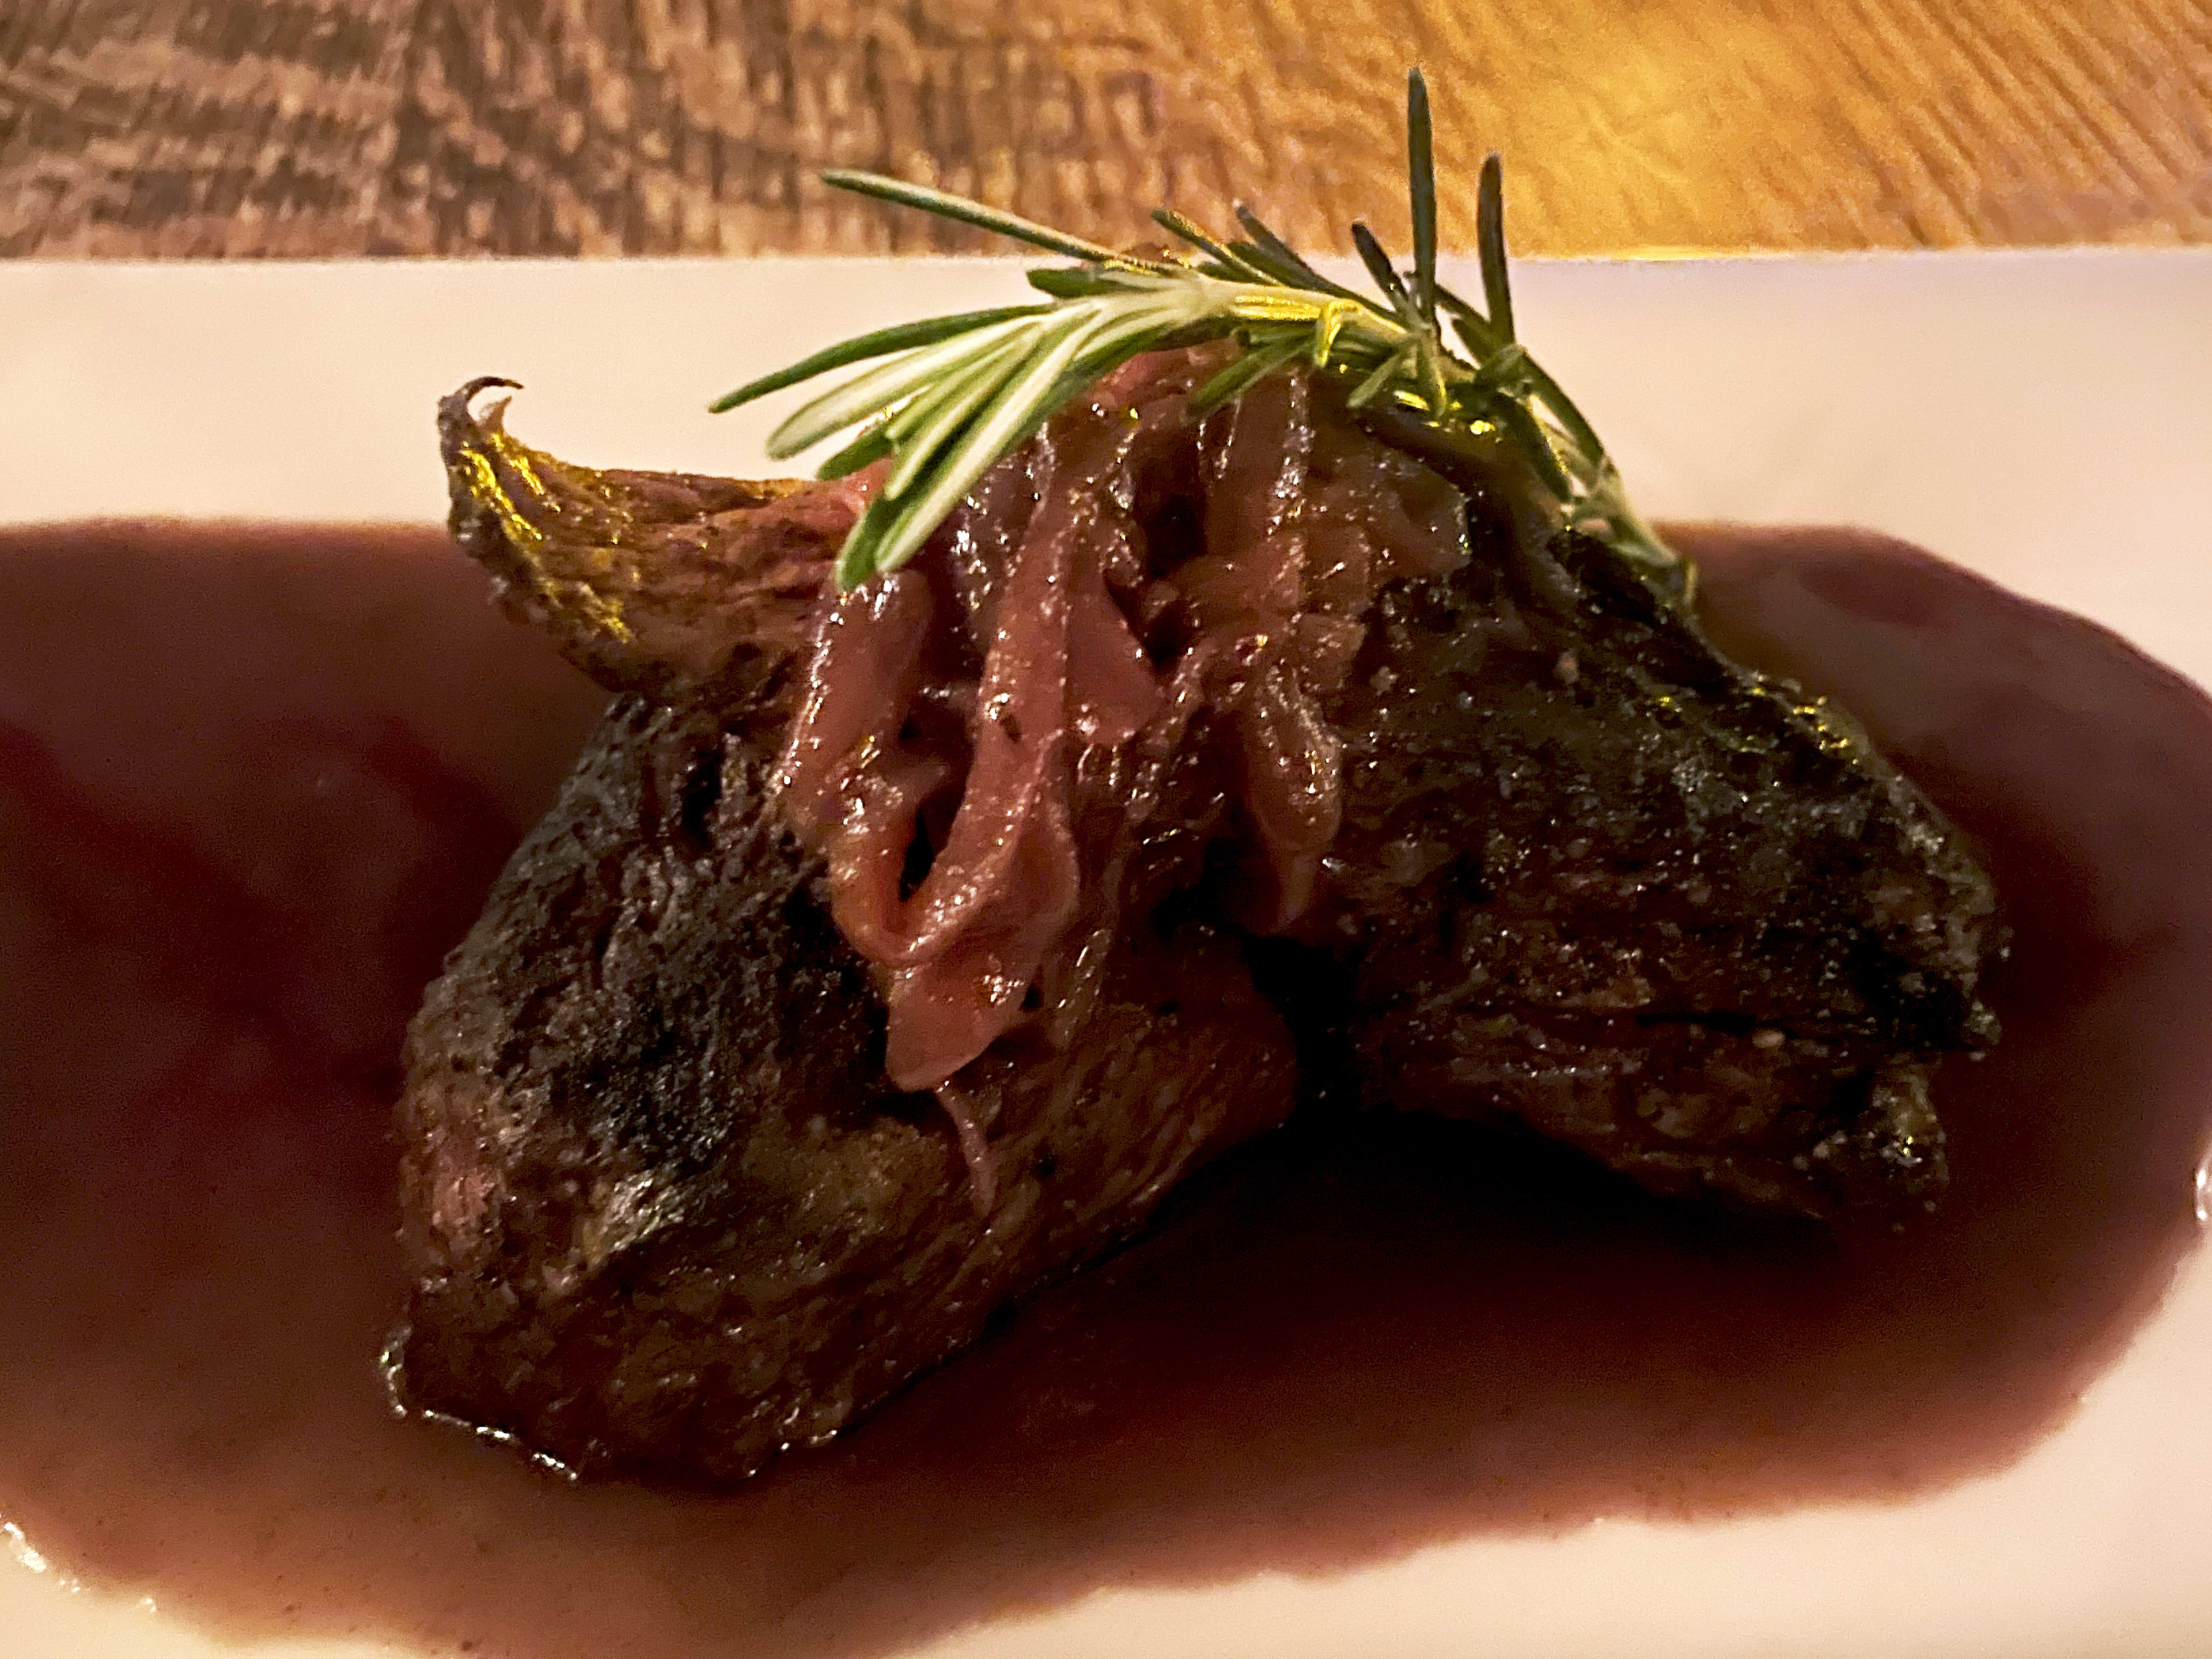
<point x="946" y="398"/>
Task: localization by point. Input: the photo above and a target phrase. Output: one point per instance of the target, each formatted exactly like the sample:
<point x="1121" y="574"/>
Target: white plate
<point x="2043" y="418"/>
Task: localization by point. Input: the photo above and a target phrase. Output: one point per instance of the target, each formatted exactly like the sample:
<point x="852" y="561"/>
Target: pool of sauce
<point x="253" y="782"/>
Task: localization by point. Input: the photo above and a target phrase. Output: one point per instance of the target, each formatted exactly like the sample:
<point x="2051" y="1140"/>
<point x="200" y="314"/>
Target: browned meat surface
<point x="887" y="954"/>
<point x="1596" y="878"/>
<point x="662" y="1207"/>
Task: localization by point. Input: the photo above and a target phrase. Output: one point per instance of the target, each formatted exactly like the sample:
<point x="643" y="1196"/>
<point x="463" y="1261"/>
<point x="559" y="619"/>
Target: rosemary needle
<point x="946" y="398"/>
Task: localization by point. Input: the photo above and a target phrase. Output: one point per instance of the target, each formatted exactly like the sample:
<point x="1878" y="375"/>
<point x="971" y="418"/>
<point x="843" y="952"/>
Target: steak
<point x="662" y="1207"/>
<point x="890" y="953"/>
<point x="1596" y="880"/>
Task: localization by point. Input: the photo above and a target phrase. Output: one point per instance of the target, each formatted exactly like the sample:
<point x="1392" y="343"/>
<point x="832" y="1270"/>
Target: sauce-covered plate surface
<point x="263" y="745"/>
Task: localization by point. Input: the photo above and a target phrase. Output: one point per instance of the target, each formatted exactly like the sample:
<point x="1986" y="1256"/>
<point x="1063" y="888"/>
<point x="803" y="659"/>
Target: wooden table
<point x="337" y="127"/>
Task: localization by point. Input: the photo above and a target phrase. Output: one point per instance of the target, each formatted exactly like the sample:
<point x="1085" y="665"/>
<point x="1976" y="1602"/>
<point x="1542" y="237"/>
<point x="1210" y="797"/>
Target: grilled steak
<point x="1596" y="878"/>
<point x="887" y="954"/>
<point x="663" y="1206"/>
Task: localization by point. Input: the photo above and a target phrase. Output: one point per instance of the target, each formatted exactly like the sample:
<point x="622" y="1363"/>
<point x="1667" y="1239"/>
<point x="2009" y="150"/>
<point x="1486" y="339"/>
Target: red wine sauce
<point x="253" y="782"/>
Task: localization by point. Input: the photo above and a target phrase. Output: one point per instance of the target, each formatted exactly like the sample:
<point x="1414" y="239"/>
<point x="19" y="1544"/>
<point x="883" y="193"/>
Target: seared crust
<point x="1596" y="878"/>
<point x="662" y="1209"/>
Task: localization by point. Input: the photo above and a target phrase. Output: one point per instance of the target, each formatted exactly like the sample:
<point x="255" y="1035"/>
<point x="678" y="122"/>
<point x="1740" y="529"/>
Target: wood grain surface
<point x="341" y="127"/>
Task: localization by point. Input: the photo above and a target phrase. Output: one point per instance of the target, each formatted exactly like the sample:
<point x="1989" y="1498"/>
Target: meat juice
<point x="253" y="785"/>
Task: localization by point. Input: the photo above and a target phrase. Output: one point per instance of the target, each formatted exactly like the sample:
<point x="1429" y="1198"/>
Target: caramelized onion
<point x="1104" y="665"/>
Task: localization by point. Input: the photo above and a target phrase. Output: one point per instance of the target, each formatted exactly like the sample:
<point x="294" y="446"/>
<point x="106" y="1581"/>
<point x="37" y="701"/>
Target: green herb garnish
<point x="954" y="394"/>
